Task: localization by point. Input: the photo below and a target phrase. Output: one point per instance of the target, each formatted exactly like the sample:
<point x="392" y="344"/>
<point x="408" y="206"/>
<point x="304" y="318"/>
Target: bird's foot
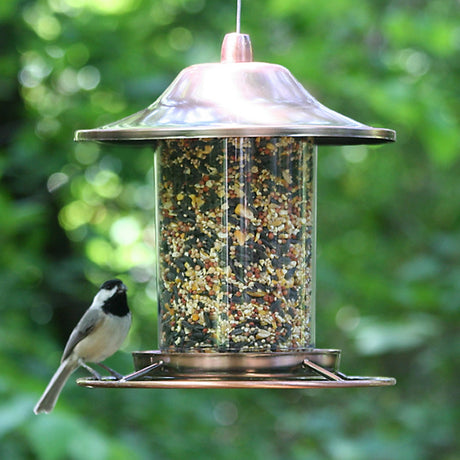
<point x="94" y="373"/>
<point x="112" y="372"/>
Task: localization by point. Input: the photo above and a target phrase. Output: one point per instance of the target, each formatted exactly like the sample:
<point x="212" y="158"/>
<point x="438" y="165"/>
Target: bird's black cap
<point x="110" y="284"/>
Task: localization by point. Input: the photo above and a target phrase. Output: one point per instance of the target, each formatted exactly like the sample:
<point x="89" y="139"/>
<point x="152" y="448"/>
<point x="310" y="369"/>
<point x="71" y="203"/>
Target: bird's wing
<point x="88" y="323"/>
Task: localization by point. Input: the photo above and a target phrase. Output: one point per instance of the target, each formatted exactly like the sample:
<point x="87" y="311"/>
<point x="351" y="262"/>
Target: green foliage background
<point x="389" y="225"/>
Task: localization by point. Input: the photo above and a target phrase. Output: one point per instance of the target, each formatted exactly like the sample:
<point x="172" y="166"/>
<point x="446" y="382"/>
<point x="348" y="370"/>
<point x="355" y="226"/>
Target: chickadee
<point x="98" y="335"/>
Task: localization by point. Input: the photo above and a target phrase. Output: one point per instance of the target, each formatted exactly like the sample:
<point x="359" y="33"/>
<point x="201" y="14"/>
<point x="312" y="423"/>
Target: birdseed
<point x="235" y="222"/>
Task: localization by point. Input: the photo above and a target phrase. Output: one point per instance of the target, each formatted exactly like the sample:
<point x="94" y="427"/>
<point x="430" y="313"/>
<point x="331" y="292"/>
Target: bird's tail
<point x="51" y="394"/>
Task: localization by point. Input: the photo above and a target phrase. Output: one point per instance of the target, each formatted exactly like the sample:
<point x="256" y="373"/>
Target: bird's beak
<point x="122" y="288"/>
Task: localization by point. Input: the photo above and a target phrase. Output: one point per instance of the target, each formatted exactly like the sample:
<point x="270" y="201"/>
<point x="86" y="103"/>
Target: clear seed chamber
<point x="235" y="223"/>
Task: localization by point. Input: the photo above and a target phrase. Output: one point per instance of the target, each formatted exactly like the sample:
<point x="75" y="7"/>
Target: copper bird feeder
<point x="235" y="148"/>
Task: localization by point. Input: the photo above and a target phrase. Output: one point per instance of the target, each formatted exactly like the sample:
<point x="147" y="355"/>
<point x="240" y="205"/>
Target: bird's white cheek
<point x="103" y="295"/>
<point x="105" y="340"/>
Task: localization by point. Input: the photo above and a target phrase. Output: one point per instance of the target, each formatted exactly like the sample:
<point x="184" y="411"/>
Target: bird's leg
<point x="94" y="373"/>
<point x="112" y="372"/>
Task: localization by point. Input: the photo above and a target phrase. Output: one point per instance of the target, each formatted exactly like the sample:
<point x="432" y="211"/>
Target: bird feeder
<point x="235" y="154"/>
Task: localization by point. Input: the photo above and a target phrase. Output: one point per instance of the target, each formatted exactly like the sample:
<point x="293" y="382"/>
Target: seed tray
<point x="316" y="368"/>
<point x="225" y="364"/>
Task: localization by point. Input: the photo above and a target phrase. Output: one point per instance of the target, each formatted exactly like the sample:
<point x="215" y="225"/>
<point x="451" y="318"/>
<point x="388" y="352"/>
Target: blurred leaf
<point x="14" y="413"/>
<point x="419" y="269"/>
<point x="374" y="337"/>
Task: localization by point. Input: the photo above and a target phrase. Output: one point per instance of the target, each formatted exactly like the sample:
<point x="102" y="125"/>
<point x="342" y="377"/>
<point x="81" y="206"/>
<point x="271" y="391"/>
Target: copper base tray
<point x="314" y="368"/>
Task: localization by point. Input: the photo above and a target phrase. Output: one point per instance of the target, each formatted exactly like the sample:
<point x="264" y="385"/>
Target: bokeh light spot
<point x="125" y="231"/>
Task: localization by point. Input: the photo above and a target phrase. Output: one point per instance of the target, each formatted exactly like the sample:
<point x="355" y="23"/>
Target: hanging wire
<point x="238" y="16"/>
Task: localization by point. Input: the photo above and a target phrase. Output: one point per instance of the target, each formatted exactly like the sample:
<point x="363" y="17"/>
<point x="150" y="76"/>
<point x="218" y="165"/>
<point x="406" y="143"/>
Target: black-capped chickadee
<point x="98" y="335"/>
